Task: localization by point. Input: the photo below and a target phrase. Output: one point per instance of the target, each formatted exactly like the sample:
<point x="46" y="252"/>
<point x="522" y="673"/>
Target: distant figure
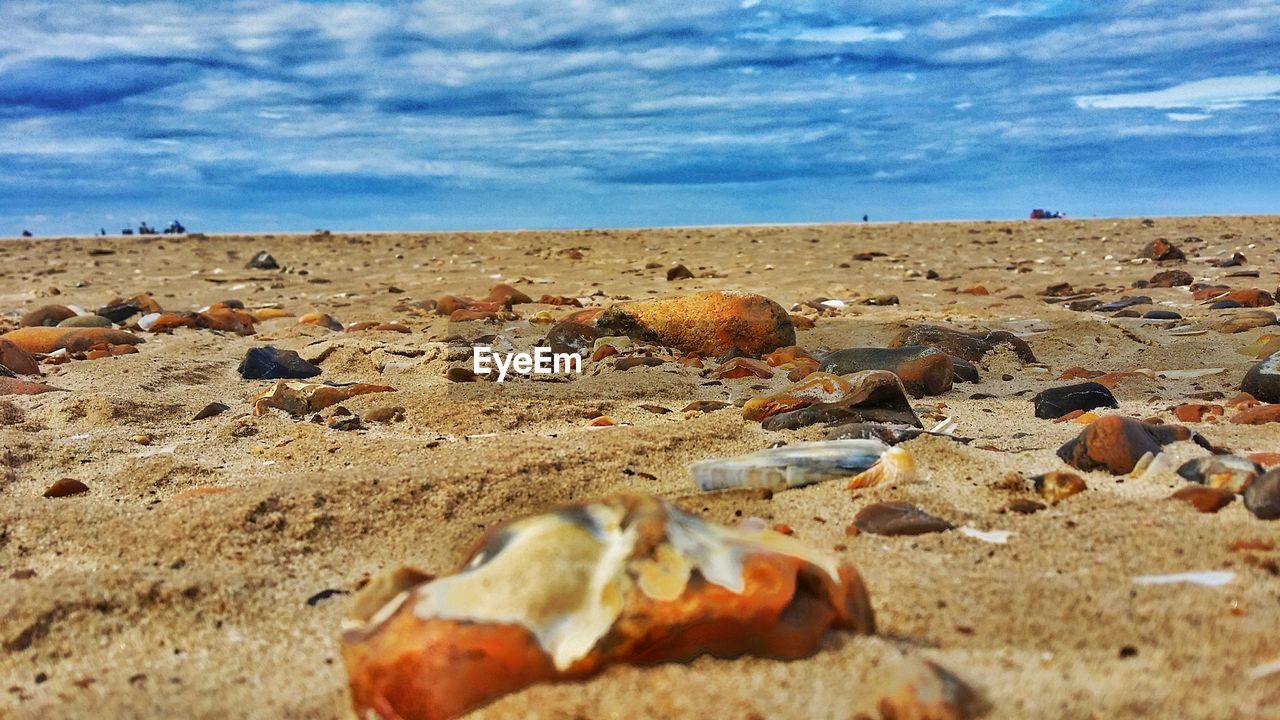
<point x="26" y="232"/>
<point x="175" y="228"/>
<point x="145" y="229"/>
<point x="865" y="218"/>
<point x="102" y="232"/>
<point x="126" y="231"/>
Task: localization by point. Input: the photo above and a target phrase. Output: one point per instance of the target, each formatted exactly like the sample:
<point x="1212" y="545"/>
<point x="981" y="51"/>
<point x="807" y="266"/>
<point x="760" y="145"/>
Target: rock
<point x="1161" y="249"/>
<point x="1023" y="506"/>
<point x="1125" y="302"/>
<point x="66" y="487"/>
<point x="966" y="345"/>
<point x="16" y="386"/>
<point x="561" y="596"/>
<point x="1196" y="412"/>
<point x="887" y="434"/>
<point x="1161" y="315"/>
<point x="1056" y="402"/>
<point x="922" y="370"/>
<point x="461" y="374"/>
<point x="679" y="272"/>
<point x="1058" y="485"/>
<point x="1204" y="499"/>
<point x="506" y="296"/>
<point x="211" y="410"/>
<point x="1250" y="298"/>
<point x="46" y="315"/>
<point x="792" y="466"/>
<point x="743" y="367"/>
<point x="559" y="300"/>
<point x="298" y="399"/>
<point x="1116" y="443"/>
<point x="45" y="340"/>
<point x="1221" y="471"/>
<point x="1244" y="321"/>
<point x="571" y="337"/>
<point x="84" y="321"/>
<point x="167" y="321"/>
<point x="1262" y="347"/>
<point x="16" y="359"/>
<point x="1171" y="278"/>
<point x="868" y="396"/>
<point x="708" y="323"/>
<point x="703" y="406"/>
<point x="1262" y="497"/>
<point x="1260" y="415"/>
<point x="965" y="371"/>
<point x="262" y="261"/>
<point x="898" y="518"/>
<point x="118" y="312"/>
<point x="386" y="414"/>
<point x="319" y="319"/>
<point x="922" y="690"/>
<point x="1261" y="381"/>
<point x="1225" y="305"/>
<point x="270" y="363"/>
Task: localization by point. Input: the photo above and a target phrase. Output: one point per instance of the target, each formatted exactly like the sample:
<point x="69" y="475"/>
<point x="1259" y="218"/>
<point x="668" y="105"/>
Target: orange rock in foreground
<point x="628" y="579"/>
<point x="49" y="339"/>
<point x="708" y="323"/>
<point x="14" y="386"/>
<point x="17" y="359"/>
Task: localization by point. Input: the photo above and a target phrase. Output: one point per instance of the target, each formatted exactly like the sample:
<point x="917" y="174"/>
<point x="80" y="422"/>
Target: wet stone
<point x="262" y="261"/>
<point x="1228" y="472"/>
<point x="571" y="337"/>
<point x="922" y="370"/>
<point x="1161" y="249"/>
<point x="270" y="363"/>
<point x="119" y="312"/>
<point x="1161" y="315"/>
<point x="1124" y="302"/>
<point x="679" y="272"/>
<point x="1226" y="305"/>
<point x="46" y="316"/>
<point x="1056" y="402"/>
<point x="66" y="487"/>
<point x="1262" y="497"/>
<point x="84" y="321"/>
<point x="898" y="518"/>
<point x="1171" y="278"/>
<point x="1116" y="443"/>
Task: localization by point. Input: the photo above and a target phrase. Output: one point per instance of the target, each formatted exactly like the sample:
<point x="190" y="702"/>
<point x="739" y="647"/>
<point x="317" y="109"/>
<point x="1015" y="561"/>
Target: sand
<point x="148" y="602"/>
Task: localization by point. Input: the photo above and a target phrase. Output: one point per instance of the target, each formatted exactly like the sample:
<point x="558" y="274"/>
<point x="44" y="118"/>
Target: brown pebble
<point x="679" y="272"/>
<point x="1205" y="499"/>
<point x="210" y="410"/>
<point x="386" y="415"/>
<point x="705" y="406"/>
<point x="1058" y="485"/>
<point x="460" y="374"/>
<point x="898" y="518"/>
<point x="1259" y="415"/>
<point x="632" y="362"/>
<point x="65" y="488"/>
<point x="741" y="367"/>
<point x="1022" y="506"/>
<point x="1116" y="443"/>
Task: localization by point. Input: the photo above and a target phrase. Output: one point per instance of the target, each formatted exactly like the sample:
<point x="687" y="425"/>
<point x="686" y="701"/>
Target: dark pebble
<point x="270" y="363"/>
<point x="210" y="410"/>
<point x="1162" y="315"/>
<point x="1263" y="379"/>
<point x="1262" y="497"/>
<point x="262" y="261"/>
<point x="679" y="272"/>
<point x="66" y="487"/>
<point x="898" y="518"/>
<point x="1056" y="402"/>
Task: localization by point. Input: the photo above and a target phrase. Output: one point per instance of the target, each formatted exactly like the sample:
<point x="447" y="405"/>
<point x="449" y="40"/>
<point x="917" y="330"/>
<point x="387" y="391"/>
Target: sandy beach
<point x="207" y="570"/>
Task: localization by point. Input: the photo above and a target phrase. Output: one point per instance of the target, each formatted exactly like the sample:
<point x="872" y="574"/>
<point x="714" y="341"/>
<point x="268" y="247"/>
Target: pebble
<point x="379" y="327"/>
<point x="262" y="261"/>
<point x="1196" y="412"/>
<point x="1058" y="485"/>
<point x="66" y="487"/>
<point x="1023" y="506"/>
<point x="708" y="323"/>
<point x="559" y="300"/>
<point x="1204" y="499"/>
<point x="679" y="272"/>
<point x="967" y="345"/>
<point x="1244" y="321"/>
<point x="1116" y="443"/>
<point x="922" y="370"/>
<point x="298" y="399"/>
<point x="1260" y="415"/>
<point x="211" y="410"/>
<point x="16" y="359"/>
<point x="1124" y="302"/>
<point x="1161" y="315"/>
<point x="17" y="386"/>
<point x="270" y="363"/>
<point x="1161" y="249"/>
<point x="1056" y="402"/>
<point x="1171" y="278"/>
<point x="887" y="434"/>
<point x="505" y="295"/>
<point x="319" y="319"/>
<point x="84" y="321"/>
<point x="118" y="312"/>
<point x="520" y="612"/>
<point x="571" y="337"/>
<point x="1249" y="297"/>
<point x="74" y="340"/>
<point x="1262" y="381"/>
<point x="896" y="517"/>
<point x="702" y="406"/>
<point x="637" y="361"/>
<point x="1262" y="497"/>
<point x="46" y="315"/>
<point x="1228" y="472"/>
<point x="867" y="396"/>
<point x="388" y="414"/>
<point x="743" y="367"/>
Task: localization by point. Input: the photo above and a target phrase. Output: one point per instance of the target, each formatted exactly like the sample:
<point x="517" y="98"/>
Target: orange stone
<point x="506" y="296"/>
<point x="1259" y="415"/>
<point x="1196" y="412"/>
<point x="741" y="367"/>
<point x="787" y="354"/>
<point x="320" y="319"/>
<point x="46" y="316"/>
<point x="16" y="359"/>
<point x="15" y="386"/>
<point x="709" y="323"/>
<point x="1205" y="499"/>
<point x="48" y="339"/>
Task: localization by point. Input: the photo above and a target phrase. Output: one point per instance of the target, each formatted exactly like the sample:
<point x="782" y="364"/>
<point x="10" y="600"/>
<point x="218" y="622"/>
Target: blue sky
<point x="588" y="113"/>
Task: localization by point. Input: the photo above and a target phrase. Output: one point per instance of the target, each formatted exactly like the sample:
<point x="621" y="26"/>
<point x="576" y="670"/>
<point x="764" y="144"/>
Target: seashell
<point x="792" y="466"/>
<point x="298" y="399"/>
<point x="45" y="340"/>
<point x="559" y="596"/>
<point x="922" y="370"/>
<point x="966" y="345"/>
<point x="871" y="395"/>
<point x="708" y="323"/>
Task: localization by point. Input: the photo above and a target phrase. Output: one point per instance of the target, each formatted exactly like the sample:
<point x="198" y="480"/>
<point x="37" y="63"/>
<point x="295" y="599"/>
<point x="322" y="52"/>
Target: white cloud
<point x="1187" y="117"/>
<point x="1222" y="93"/>
<point x="849" y="34"/>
